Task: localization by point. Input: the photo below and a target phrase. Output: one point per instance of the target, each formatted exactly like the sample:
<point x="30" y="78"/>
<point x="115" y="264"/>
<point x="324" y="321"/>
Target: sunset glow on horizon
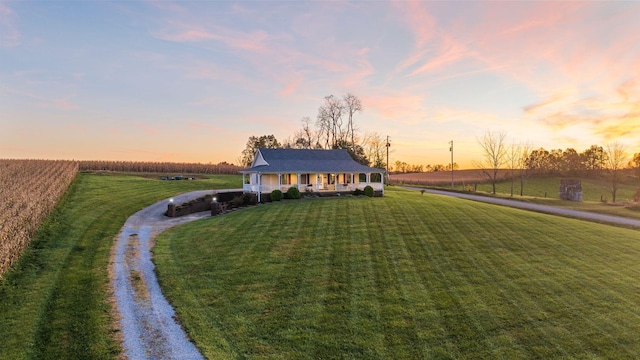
<point x="191" y="81"/>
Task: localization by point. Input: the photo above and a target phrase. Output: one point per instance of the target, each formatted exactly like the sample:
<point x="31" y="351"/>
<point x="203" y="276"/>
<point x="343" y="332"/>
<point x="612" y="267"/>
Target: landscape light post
<point x="451" y="149"/>
<point x="388" y="145"/>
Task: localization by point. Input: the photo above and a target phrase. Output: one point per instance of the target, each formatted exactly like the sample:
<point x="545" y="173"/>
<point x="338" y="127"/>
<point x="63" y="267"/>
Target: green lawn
<point x="404" y="276"/>
<point x="54" y="302"/>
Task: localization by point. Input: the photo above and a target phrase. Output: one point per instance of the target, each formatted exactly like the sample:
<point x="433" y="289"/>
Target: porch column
<point x="353" y="182"/>
<point x="279" y="181"/>
<point x="259" y="188"/>
<point x="298" y="175"/>
<point x="368" y="178"/>
<point x="243" y="181"/>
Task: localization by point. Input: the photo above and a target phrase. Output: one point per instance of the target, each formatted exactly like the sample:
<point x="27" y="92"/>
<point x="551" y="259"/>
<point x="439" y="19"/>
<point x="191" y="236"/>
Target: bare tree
<point x="614" y="162"/>
<point x="310" y="136"/>
<point x="525" y="149"/>
<point x="330" y="120"/>
<point x="494" y="155"/>
<point x="352" y="105"/>
<point x="375" y="150"/>
<point x="305" y="138"/>
<point x="514" y="153"/>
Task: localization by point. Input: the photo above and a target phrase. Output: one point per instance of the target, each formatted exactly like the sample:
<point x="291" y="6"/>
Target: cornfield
<point x="160" y="167"/>
<point x="29" y="190"/>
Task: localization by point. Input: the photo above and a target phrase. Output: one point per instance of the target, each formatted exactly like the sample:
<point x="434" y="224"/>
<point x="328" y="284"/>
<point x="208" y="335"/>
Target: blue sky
<point x="191" y="81"/>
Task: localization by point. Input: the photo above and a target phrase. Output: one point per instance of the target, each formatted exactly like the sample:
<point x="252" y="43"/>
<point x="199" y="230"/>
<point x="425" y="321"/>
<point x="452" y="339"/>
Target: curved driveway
<point x="147" y="321"/>
<point x="536" y="207"/>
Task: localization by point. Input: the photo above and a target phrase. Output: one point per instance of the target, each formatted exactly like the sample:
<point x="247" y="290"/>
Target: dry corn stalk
<point x="29" y="190"/>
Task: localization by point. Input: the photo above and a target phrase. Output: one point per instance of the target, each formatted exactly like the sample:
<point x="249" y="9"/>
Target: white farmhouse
<point x="310" y="171"/>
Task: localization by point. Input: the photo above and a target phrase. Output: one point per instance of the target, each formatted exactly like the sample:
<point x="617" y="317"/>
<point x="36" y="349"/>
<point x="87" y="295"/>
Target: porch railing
<point x="313" y="187"/>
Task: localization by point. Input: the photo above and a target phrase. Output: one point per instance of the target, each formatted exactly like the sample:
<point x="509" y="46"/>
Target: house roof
<point x="306" y="161"/>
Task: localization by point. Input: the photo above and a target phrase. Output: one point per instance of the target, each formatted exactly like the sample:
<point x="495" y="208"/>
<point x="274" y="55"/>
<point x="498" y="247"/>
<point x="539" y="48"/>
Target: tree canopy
<point x="256" y="142"/>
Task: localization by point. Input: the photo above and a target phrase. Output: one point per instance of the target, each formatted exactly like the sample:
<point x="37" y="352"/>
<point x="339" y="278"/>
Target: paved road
<point x="536" y="207"/>
<point x="147" y="321"/>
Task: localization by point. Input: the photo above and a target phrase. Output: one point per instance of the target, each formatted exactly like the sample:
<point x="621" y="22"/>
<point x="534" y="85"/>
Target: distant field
<point x="403" y="276"/>
<point x="444" y="177"/>
<point x="54" y="302"/>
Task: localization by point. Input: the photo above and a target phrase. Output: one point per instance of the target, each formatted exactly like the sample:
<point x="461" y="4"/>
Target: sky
<point x="191" y="81"/>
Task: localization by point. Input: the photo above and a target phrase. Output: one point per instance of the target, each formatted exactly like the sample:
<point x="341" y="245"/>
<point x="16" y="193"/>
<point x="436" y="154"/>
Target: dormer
<point x="258" y="159"/>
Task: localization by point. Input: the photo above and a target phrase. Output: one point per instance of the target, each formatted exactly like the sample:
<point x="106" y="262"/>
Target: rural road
<point x="147" y="321"/>
<point x="536" y="207"/>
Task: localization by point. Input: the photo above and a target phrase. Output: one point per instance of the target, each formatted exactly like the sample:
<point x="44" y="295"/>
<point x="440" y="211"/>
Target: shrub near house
<point x="276" y="195"/>
<point x="293" y="193"/>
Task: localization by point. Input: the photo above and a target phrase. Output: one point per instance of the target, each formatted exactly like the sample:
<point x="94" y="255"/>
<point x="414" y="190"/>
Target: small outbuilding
<point x="571" y="189"/>
<point x="310" y="170"/>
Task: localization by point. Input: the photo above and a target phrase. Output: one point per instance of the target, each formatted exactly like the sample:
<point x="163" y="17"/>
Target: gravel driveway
<point x="147" y="321"/>
<point x="536" y="207"/>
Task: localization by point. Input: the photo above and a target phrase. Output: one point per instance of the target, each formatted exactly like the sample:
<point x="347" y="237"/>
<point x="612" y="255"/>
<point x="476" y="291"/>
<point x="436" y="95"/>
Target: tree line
<point x="333" y="128"/>
<point x="159" y="167"/>
<point x="403" y="167"/>
<point x="520" y="159"/>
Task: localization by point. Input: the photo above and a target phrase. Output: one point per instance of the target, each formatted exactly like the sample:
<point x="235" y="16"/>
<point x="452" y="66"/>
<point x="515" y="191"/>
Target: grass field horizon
<point x="404" y="276"/>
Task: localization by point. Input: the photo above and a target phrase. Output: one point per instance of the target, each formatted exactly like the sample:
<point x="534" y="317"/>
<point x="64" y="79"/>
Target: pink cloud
<point x="434" y="48"/>
<point x="178" y="32"/>
<point x="541" y="105"/>
<point x="401" y="108"/>
<point x="275" y="58"/>
<point x="419" y="20"/>
<point x="291" y="85"/>
<point x="449" y="51"/>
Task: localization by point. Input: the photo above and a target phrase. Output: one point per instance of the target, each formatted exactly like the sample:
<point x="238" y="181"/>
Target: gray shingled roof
<point x="309" y="161"/>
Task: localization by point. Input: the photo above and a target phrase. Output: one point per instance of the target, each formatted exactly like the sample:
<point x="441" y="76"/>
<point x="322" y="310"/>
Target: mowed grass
<point x="54" y="303"/>
<point x="404" y="276"/>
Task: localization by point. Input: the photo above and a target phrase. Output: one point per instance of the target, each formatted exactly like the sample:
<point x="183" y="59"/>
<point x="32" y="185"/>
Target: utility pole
<point x="388" y="145"/>
<point x="451" y="149"/>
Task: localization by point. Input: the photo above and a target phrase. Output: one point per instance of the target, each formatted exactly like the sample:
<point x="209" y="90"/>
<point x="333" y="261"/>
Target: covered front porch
<point x="312" y="182"/>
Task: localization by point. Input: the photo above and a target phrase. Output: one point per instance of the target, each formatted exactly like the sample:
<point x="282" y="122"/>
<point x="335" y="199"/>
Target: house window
<point x="332" y="178"/>
<point x="285" y="179"/>
<point x="362" y="178"/>
<point x="349" y="180"/>
<point x="304" y="179"/>
<point x="376" y="178"/>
